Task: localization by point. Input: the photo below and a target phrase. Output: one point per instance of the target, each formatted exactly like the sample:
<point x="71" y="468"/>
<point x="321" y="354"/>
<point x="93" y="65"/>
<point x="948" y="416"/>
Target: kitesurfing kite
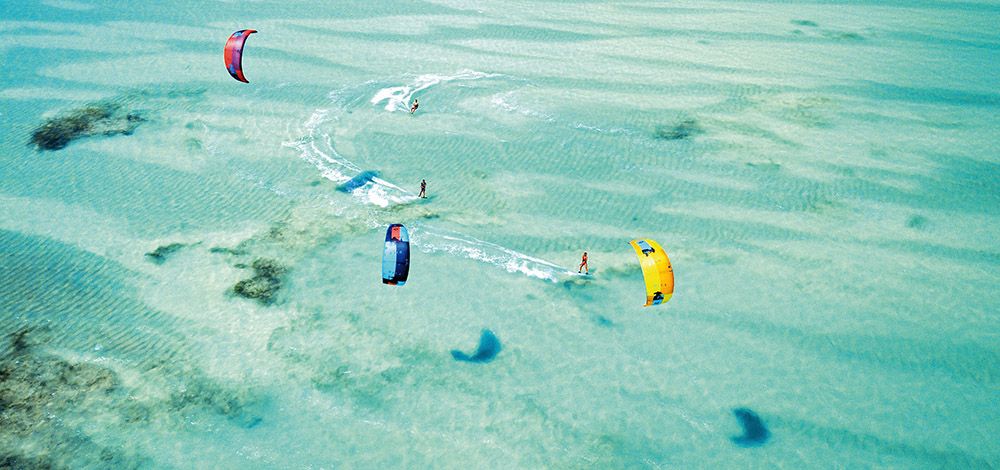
<point x="234" y="53"/>
<point x="396" y="257"/>
<point x="656" y="271"/>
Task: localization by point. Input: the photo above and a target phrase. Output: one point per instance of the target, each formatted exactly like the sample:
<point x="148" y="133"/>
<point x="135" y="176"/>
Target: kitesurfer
<point x="583" y="264"/>
<point x="416" y="104"/>
<point x="423" y="188"/>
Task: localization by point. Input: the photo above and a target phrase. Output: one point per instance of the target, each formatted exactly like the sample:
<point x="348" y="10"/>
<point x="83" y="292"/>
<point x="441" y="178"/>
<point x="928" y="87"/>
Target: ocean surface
<point x="825" y="177"/>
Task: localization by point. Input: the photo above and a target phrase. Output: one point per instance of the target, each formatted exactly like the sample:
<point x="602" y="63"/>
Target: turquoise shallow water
<point x="823" y="176"/>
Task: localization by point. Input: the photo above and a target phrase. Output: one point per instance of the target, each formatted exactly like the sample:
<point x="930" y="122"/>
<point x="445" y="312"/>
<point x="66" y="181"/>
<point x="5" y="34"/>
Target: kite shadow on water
<point x="362" y="179"/>
<point x="489" y="347"/>
<point x="754" y="432"/>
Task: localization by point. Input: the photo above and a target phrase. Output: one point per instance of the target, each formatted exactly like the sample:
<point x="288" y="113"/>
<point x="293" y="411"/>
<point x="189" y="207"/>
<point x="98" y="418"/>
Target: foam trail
<point x="431" y="240"/>
<point x="398" y="98"/>
<point x="505" y="102"/>
<point x="317" y="148"/>
<point x="331" y="167"/>
<point x="383" y="194"/>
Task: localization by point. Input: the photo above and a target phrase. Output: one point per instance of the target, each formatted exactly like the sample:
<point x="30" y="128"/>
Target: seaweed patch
<point x="200" y="393"/>
<point x="97" y="119"/>
<point x="265" y="282"/>
<point x="38" y="392"/>
<point x="813" y="30"/>
<point x="916" y="222"/>
<point x="161" y="253"/>
<point x="21" y="462"/>
<point x="682" y="130"/>
<point x="765" y="166"/>
<point x="32" y="385"/>
<point x="49" y="402"/>
<point x="227" y="251"/>
<point x="843" y="35"/>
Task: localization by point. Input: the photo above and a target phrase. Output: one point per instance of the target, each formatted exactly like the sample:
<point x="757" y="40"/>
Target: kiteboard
<point x="590" y="274"/>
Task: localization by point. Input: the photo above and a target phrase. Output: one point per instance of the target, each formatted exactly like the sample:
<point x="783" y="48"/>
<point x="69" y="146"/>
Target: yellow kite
<point x="656" y="271"/>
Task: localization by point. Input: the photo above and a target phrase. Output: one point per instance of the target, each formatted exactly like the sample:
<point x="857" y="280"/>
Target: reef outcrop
<point x="95" y="119"/>
<point x="264" y="284"/>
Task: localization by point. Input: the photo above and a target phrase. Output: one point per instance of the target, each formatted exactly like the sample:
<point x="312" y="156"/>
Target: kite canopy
<point x="656" y="271"/>
<point x="234" y="53"/>
<point x="396" y="257"/>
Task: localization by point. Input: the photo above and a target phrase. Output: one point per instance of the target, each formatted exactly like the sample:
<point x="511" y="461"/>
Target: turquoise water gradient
<point x="824" y="177"/>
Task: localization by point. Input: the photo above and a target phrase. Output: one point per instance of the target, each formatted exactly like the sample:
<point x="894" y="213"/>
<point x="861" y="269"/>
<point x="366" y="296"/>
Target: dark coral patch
<point x="264" y="284"/>
<point x="160" y="254"/>
<point x="35" y="385"/>
<point x="97" y="119"/>
<point x="682" y="130"/>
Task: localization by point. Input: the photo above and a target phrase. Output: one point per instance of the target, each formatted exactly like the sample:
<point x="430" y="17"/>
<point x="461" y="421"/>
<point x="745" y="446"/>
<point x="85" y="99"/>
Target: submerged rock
<point x="227" y="251"/>
<point x="50" y="405"/>
<point x="682" y="130"/>
<point x="160" y="254"/>
<point x="268" y="268"/>
<point x="278" y="232"/>
<point x="34" y="386"/>
<point x="97" y="119"/>
<point x="19" y="341"/>
<point x="21" y="462"/>
<point x="256" y="288"/>
<point x="201" y="393"/>
<point x="265" y="283"/>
